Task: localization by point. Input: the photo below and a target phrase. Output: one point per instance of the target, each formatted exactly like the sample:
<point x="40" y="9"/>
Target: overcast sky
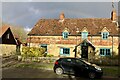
<point x="27" y="14"/>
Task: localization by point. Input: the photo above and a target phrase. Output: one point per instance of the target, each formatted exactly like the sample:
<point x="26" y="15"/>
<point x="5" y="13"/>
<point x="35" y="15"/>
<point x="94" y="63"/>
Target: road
<point x="38" y="74"/>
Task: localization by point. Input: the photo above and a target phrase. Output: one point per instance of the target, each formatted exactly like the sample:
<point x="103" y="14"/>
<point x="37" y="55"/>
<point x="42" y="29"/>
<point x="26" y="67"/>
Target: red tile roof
<point x="54" y="27"/>
<point x="3" y="29"/>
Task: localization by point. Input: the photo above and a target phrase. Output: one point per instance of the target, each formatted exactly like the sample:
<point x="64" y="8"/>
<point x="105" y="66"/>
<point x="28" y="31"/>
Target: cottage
<point x="79" y="37"/>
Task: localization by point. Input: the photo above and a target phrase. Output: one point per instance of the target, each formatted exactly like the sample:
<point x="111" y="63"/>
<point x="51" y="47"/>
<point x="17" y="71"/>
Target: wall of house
<point x="55" y="42"/>
<point x="7" y="49"/>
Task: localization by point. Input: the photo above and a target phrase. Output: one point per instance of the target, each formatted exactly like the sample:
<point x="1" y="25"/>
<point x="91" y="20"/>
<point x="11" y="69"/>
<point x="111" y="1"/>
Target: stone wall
<point x="55" y="42"/>
<point x="7" y="50"/>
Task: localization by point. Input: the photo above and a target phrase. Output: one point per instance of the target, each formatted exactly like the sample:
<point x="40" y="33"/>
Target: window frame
<point x="105" y="35"/>
<point x="84" y="35"/>
<point x="62" y="52"/>
<point x="43" y="46"/>
<point x="65" y="35"/>
<point x="104" y="52"/>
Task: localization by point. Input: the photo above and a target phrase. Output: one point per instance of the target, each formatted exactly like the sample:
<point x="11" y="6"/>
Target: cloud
<point x="35" y="11"/>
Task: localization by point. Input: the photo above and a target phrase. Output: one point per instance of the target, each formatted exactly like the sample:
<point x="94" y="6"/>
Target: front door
<point x="84" y="52"/>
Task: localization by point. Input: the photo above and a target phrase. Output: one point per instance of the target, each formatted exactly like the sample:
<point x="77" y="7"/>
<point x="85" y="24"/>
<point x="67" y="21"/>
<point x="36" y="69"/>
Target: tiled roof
<point x="3" y="29"/>
<point x="54" y="27"/>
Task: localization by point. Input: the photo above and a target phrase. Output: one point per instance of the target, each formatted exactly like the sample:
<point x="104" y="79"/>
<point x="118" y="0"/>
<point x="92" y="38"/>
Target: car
<point x="78" y="67"/>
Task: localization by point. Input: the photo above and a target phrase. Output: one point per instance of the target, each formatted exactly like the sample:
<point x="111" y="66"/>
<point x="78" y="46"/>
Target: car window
<point x="66" y="60"/>
<point x="79" y="62"/>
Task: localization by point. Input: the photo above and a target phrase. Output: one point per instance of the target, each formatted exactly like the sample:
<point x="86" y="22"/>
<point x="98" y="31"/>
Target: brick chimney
<point x="62" y="16"/>
<point x="114" y="15"/>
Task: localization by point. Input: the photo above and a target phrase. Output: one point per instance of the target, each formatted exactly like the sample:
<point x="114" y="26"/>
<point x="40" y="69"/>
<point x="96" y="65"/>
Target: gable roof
<point x="3" y="29"/>
<point x="53" y="27"/>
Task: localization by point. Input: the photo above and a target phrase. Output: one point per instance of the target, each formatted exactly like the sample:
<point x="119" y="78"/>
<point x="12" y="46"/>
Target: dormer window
<point x="84" y="35"/>
<point x="105" y="35"/>
<point x="65" y="35"/>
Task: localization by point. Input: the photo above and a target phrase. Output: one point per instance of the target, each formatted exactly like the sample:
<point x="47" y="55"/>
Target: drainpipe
<point x="112" y="44"/>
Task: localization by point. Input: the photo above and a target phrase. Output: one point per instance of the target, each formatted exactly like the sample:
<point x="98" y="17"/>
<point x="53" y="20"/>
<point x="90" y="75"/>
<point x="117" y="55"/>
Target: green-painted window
<point x="64" y="51"/>
<point x="105" y="35"/>
<point x="105" y="52"/>
<point x="84" y="35"/>
<point x="65" y="35"/>
<point x="44" y="46"/>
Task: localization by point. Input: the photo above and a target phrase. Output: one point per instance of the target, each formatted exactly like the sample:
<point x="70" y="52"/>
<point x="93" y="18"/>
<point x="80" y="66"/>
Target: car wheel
<point x="91" y="75"/>
<point x="59" y="71"/>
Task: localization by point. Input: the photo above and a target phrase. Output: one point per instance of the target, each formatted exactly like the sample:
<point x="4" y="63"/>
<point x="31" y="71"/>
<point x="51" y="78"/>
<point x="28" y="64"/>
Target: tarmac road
<point x="39" y="74"/>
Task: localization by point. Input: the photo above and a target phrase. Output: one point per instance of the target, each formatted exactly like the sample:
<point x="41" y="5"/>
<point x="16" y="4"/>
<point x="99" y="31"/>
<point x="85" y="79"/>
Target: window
<point x="84" y="35"/>
<point x="65" y="35"/>
<point x="8" y="36"/>
<point x="64" y="51"/>
<point x="105" y="52"/>
<point x="44" y="46"/>
<point x="105" y="35"/>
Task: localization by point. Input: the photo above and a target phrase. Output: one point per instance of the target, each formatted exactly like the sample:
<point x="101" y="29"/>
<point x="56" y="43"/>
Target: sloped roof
<point x="54" y="27"/>
<point x="3" y="29"/>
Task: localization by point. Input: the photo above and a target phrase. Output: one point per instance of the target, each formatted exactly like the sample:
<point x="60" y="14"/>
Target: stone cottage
<point x="76" y="37"/>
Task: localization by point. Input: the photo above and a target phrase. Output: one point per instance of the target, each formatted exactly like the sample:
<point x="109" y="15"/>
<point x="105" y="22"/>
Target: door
<point x="84" y="51"/>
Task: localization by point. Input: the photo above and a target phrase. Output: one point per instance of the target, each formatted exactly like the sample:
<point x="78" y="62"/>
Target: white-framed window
<point x="64" y="51"/>
<point x="65" y="35"/>
<point x="105" y="35"/>
<point x="44" y="46"/>
<point x="84" y="35"/>
<point x="105" y="52"/>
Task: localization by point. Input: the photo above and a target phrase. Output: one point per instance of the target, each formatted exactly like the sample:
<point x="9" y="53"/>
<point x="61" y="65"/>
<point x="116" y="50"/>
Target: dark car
<point x="77" y="67"/>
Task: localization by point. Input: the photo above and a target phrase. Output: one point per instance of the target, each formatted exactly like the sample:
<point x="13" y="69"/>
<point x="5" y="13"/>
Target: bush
<point x="50" y="55"/>
<point x="32" y="52"/>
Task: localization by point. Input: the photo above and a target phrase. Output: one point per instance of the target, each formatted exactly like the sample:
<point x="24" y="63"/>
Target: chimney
<point x="114" y="15"/>
<point x="62" y="16"/>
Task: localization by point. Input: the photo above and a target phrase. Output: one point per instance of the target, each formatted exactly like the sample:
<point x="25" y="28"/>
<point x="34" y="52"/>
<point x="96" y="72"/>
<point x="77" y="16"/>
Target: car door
<point x="66" y="64"/>
<point x="79" y="67"/>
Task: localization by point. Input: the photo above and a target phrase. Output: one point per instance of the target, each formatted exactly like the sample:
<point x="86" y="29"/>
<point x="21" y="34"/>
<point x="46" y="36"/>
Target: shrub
<point x="32" y="52"/>
<point x="50" y="55"/>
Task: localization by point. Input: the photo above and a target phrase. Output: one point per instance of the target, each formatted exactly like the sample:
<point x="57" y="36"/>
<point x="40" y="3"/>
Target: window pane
<point x="65" y="34"/>
<point x="105" y="35"/>
<point x="66" y="50"/>
<point x="84" y="35"/>
<point x="44" y="46"/>
<point x="108" y="52"/>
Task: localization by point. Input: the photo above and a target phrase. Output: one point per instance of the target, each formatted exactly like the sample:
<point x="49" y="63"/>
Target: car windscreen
<point x="86" y="62"/>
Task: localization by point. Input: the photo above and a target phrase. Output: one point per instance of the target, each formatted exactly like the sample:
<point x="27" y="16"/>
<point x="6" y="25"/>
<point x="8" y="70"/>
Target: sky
<point x="27" y="13"/>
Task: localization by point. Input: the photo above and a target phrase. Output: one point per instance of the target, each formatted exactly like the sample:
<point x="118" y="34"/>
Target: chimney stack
<point x="114" y="15"/>
<point x="62" y="16"/>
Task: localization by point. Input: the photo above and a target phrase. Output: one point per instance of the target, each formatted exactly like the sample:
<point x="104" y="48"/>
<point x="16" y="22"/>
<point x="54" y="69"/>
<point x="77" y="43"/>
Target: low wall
<point x="38" y="59"/>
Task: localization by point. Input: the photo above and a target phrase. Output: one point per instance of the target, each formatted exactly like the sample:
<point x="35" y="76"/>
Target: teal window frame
<point x="44" y="46"/>
<point x="65" y="35"/>
<point x="105" y="35"/>
<point x="84" y="35"/>
<point x="105" y="52"/>
<point x="65" y="51"/>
